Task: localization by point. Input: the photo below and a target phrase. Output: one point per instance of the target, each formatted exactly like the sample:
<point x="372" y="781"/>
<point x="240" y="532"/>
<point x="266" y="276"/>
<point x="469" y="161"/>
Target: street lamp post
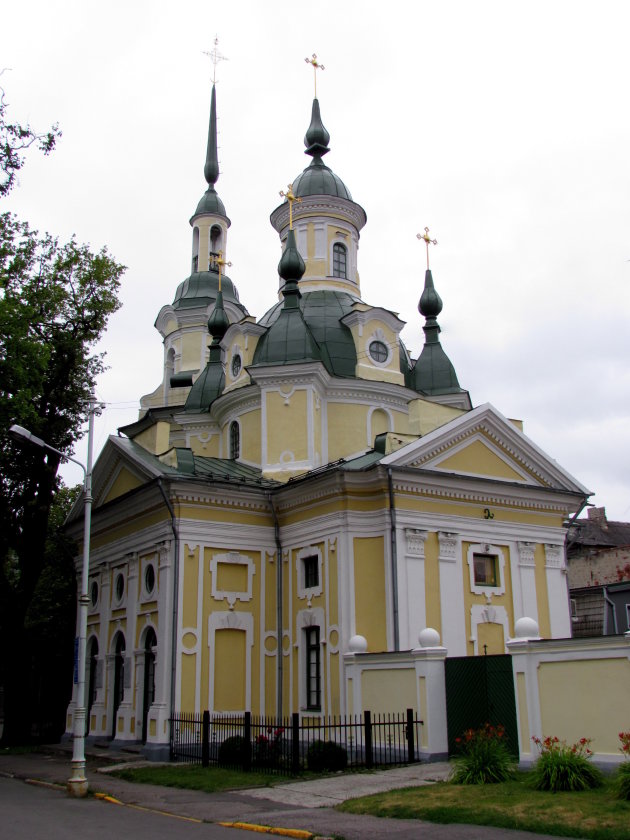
<point x="77" y="783"/>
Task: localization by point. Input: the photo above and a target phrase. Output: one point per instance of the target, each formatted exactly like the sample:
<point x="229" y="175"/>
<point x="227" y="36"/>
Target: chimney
<point x="597" y="514"/>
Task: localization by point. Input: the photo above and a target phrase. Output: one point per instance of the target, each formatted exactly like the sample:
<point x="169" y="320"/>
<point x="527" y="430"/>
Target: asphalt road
<point x="30" y="812"/>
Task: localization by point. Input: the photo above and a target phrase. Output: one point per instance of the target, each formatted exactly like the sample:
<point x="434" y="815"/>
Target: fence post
<point x="295" y="743"/>
<point x="205" y="739"/>
<point x="411" y="746"/>
<point x="247" y="750"/>
<point x="367" y="722"/>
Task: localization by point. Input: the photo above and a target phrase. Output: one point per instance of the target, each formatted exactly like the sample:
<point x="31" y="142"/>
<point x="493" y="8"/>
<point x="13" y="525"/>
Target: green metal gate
<point x="479" y="690"/>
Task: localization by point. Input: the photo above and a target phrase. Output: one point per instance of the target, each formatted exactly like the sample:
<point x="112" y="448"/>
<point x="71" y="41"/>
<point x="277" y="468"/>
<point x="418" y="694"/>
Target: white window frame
<point x="485" y="589"/>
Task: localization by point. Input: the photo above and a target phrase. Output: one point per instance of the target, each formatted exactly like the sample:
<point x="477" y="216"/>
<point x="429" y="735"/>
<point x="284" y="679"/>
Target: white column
<point x="412" y="590"/>
<point x="452" y="610"/>
<point x="557" y="593"/>
<point x="527" y="577"/>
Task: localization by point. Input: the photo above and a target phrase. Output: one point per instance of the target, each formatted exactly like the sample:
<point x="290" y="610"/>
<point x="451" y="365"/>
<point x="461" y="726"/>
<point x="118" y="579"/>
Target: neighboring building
<point x="297" y="487"/>
<point x="598" y="562"/>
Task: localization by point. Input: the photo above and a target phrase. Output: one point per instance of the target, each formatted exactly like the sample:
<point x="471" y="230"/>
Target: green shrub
<point x="564" y="767"/>
<point x="268" y="748"/>
<point x="622" y="778"/>
<point x="326" y="755"/>
<point x="233" y="751"/>
<point x="484" y="757"/>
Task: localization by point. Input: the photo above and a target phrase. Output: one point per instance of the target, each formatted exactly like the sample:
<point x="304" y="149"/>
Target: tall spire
<point x="317" y="137"/>
<point x="211" y="169"/>
<point x="210" y="201"/>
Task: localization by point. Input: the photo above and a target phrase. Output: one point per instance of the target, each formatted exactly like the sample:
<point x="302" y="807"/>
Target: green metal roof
<point x="322" y="310"/>
<point x="201" y="288"/>
<point x="208" y="385"/>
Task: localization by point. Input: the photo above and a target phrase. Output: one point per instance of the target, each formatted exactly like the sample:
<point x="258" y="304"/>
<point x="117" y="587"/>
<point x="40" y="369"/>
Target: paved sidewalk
<point x="294" y="805"/>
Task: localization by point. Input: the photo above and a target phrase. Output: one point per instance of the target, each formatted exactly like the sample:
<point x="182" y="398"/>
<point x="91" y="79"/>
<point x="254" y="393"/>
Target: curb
<point x="266" y="829"/>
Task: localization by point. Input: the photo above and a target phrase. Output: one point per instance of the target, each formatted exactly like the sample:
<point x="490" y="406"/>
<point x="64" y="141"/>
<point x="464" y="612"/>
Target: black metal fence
<point x="290" y="745"/>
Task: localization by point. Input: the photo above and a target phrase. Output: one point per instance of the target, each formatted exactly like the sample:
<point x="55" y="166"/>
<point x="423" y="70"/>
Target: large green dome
<point x="201" y="289"/>
<point x="322" y="310"/>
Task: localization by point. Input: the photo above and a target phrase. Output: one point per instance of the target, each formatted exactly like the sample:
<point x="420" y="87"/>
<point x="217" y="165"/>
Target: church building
<point x="297" y="487"/>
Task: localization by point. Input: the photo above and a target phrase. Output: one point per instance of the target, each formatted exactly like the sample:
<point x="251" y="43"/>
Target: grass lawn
<point x="195" y="777"/>
<point x="593" y="814"/>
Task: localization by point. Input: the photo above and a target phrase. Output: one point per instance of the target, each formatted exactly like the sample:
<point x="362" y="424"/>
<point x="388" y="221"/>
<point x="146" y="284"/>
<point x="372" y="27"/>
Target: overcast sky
<point x="503" y="126"/>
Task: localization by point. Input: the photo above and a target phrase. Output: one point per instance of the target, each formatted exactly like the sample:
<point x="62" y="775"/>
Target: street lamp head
<point x="21" y="434"/>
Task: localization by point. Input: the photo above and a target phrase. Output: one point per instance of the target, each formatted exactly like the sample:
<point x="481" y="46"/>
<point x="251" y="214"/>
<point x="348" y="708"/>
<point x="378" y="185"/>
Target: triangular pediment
<point x="484" y="444"/>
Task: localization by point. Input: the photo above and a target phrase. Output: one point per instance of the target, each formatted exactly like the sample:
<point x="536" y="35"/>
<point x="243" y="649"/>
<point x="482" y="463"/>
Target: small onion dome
<point x="317" y="178"/>
<point x="218" y="321"/>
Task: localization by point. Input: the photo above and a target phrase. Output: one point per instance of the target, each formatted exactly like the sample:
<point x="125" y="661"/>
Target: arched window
<point x="235" y="440"/>
<point x="216" y="245"/>
<point x="119" y="678"/>
<point x="92" y="666"/>
<point x="195" y="256"/>
<point x="150" y="644"/>
<point x="339" y="260"/>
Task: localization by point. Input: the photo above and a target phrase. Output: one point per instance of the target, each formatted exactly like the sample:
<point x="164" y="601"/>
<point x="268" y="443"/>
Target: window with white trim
<point x="340" y="259"/>
<point x="313" y="669"/>
<point x="235" y="440"/>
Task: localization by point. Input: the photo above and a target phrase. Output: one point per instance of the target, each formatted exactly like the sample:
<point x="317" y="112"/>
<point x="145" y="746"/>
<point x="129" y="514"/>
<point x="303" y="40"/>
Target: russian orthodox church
<point x="298" y="488"/>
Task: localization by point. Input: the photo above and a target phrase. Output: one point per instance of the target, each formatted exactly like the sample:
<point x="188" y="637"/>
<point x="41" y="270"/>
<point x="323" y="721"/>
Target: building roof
<point x="598" y="532"/>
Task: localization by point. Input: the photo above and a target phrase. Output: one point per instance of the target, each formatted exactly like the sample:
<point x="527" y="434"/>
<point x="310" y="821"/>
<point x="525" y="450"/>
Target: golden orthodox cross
<point x="316" y="66"/>
<point x="221" y="262"/>
<point x="290" y="197"/>
<point x="427" y="241"/>
<point x="215" y="56"/>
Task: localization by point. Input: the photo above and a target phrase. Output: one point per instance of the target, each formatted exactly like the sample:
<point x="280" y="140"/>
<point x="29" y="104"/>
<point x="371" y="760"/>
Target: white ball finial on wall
<point x="357" y="644"/>
<point x="429" y="638"/>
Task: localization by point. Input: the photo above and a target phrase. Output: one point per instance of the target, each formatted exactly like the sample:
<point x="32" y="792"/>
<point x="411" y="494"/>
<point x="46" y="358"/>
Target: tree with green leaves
<point x="15" y="138"/>
<point x="55" y="302"/>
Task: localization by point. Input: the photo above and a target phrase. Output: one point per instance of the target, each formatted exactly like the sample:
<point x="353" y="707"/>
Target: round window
<point x="378" y="351"/>
<point x="149" y="578"/>
<point x="236" y="365"/>
<point x="94" y="593"/>
<point x="120" y="587"/>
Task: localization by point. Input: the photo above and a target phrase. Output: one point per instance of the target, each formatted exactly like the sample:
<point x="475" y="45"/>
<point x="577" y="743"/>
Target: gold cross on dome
<point x="427" y="241"/>
<point x="290" y="197"/>
<point x="221" y="262"/>
<point x="316" y="66"/>
<point x="215" y="56"/>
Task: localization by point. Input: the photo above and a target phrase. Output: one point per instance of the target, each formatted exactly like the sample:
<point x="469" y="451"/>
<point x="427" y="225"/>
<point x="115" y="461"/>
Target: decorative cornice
<point x="313" y="205"/>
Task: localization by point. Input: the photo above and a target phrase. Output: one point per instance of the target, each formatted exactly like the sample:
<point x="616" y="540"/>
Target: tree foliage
<point x="55" y="302"/>
<point x="14" y="140"/>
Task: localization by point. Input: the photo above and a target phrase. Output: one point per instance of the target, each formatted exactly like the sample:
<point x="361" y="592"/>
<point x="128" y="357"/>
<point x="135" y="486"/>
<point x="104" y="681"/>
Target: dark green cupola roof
<point x="288" y="339"/>
<point x="433" y="374"/>
<point x="210" y="201"/>
<point x="317" y="178"/>
<point x="211" y="381"/>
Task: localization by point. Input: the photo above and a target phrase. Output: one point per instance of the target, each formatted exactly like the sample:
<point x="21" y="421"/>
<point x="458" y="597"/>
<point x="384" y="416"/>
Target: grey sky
<point x="504" y="127"/>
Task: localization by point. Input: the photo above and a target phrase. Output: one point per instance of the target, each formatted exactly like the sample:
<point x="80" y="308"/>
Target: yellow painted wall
<point x="189" y="664"/>
<point x="156" y="439"/>
<point x="191" y="570"/>
<point x="432" y="582"/>
<point x="369" y="591"/>
<point x="542" y="593"/>
<point x="490" y="635"/>
<point x="231" y="577"/>
<point x="347" y="429"/>
<point x="286" y="426"/>
<point x="229" y="670"/>
<point x="123" y="483"/>
<point x="250" y="436"/>
<point x="571" y="697"/>
<point x="425" y="416"/>
<point x="388" y="690"/>
<point x="191" y="351"/>
<point x="478" y="459"/>
<point x="207" y="448"/>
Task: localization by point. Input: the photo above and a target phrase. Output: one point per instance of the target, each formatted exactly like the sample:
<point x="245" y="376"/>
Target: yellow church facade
<point x="298" y="488"/>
